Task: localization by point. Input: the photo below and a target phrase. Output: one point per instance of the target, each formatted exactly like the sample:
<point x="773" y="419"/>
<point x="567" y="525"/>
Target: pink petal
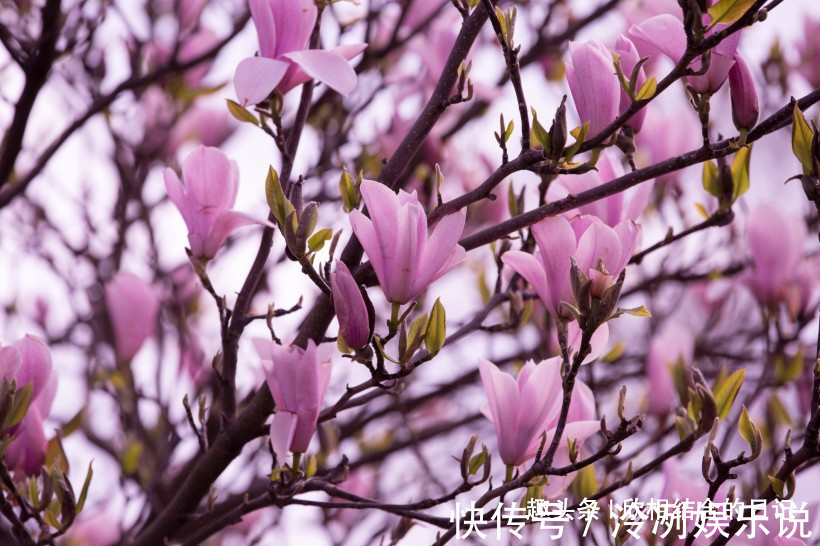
<point x="594" y="87"/>
<point x="256" y="78"/>
<point x="664" y="32"/>
<point x="282" y="430"/>
<point x="10" y="362"/>
<point x="441" y="245"/>
<point x="328" y="67"/>
<point x="262" y="14"/>
<point x="556" y="242"/>
<point x="502" y="395"/>
<point x="598" y="242"/>
<point x="532" y="271"/>
<point x="295" y="20"/>
<point x="36" y="364"/>
<point x="366" y="234"/>
<point x="224" y="224"/>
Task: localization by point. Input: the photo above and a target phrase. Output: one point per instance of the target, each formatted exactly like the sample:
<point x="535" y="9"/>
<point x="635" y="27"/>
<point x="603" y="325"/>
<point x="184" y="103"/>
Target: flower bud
<point x="353" y="308"/>
<point x="745" y="109"/>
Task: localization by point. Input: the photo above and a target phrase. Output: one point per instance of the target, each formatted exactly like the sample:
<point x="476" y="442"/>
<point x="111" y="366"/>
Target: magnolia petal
<point x="282" y="430"/>
<point x="256" y="78"/>
<point x="328" y="67"/>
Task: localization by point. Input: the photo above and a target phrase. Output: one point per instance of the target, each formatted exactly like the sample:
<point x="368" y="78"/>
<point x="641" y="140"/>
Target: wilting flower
<point x="629" y="56"/>
<point x="666" y="33"/>
<point x="600" y="251"/>
<point x="298" y="382"/>
<point x="353" y="309"/>
<point x="593" y="84"/>
<point x="205" y="197"/>
<point x="628" y="205"/>
<point x="405" y="257"/>
<point x="670" y="344"/>
<point x="284" y="28"/>
<point x="27" y="450"/>
<point x="132" y="307"/>
<point x="776" y="244"/>
<point x="524" y="408"/>
<point x="745" y="109"/>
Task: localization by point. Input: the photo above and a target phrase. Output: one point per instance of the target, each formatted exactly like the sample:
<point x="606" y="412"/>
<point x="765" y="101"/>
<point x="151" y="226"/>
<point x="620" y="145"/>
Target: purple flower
<point x="523" y="408"/>
<point x="745" y="108"/>
<point x="284" y="28"/>
<point x="353" y="308"/>
<point x="298" y="382"/>
<point x="593" y="84"/>
<point x="405" y="257"/>
<point x="600" y="251"/>
<point x="132" y="307"/>
<point x="205" y="196"/>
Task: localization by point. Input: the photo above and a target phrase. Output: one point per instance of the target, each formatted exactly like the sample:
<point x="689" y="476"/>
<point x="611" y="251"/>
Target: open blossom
<point x="523" y="408"/>
<point x="405" y="257"/>
<point x="353" y="309"/>
<point x="672" y="343"/>
<point x="626" y="205"/>
<point x="298" y="381"/>
<point x="745" y="108"/>
<point x="666" y="33"/>
<point x="593" y="84"/>
<point x="284" y="28"/>
<point x="591" y="242"/>
<point x="205" y="196"/>
<point x="776" y="245"/>
<point x="27" y="450"/>
<point x="132" y="307"/>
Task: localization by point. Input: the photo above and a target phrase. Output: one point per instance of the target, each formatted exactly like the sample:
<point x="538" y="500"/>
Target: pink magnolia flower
<point x="354" y="311"/>
<point x="666" y="33"/>
<point x="133" y="307"/>
<point x="200" y="124"/>
<point x="628" y="205"/>
<point x="593" y="84"/>
<point x="27" y="450"/>
<point x="629" y="59"/>
<point x="96" y="529"/>
<point x="405" y="258"/>
<point x="809" y="47"/>
<point x="776" y="244"/>
<point x="745" y="108"/>
<point x="298" y="382"/>
<point x="205" y="197"/>
<point x="586" y="238"/>
<point x="10" y="362"/>
<point x="523" y="408"/>
<point x="671" y="343"/>
<point x="284" y="28"/>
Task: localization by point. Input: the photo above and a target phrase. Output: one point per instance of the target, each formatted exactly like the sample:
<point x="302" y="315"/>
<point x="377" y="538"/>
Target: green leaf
<point x="740" y="172"/>
<point x="436" y="332"/>
<point x="417" y="330"/>
<point x="648" y="90"/>
<point x="580" y="134"/>
<point x="778" y="485"/>
<point x="615" y="353"/>
<point x="541" y="136"/>
<point x="19" y="405"/>
<point x="726" y="391"/>
<point x="379" y="346"/>
<point x="131" y="457"/>
<point x="641" y="311"/>
<point x="347" y="189"/>
<point x="476" y="462"/>
<point x="508" y="133"/>
<point x="801" y="141"/>
<point x="748" y="430"/>
<point x="280" y="207"/>
<point x="84" y="491"/>
<point x="241" y="113"/>
<point x="318" y="239"/>
<point x="711" y="179"/>
<point x="728" y="11"/>
<point x="702" y="210"/>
